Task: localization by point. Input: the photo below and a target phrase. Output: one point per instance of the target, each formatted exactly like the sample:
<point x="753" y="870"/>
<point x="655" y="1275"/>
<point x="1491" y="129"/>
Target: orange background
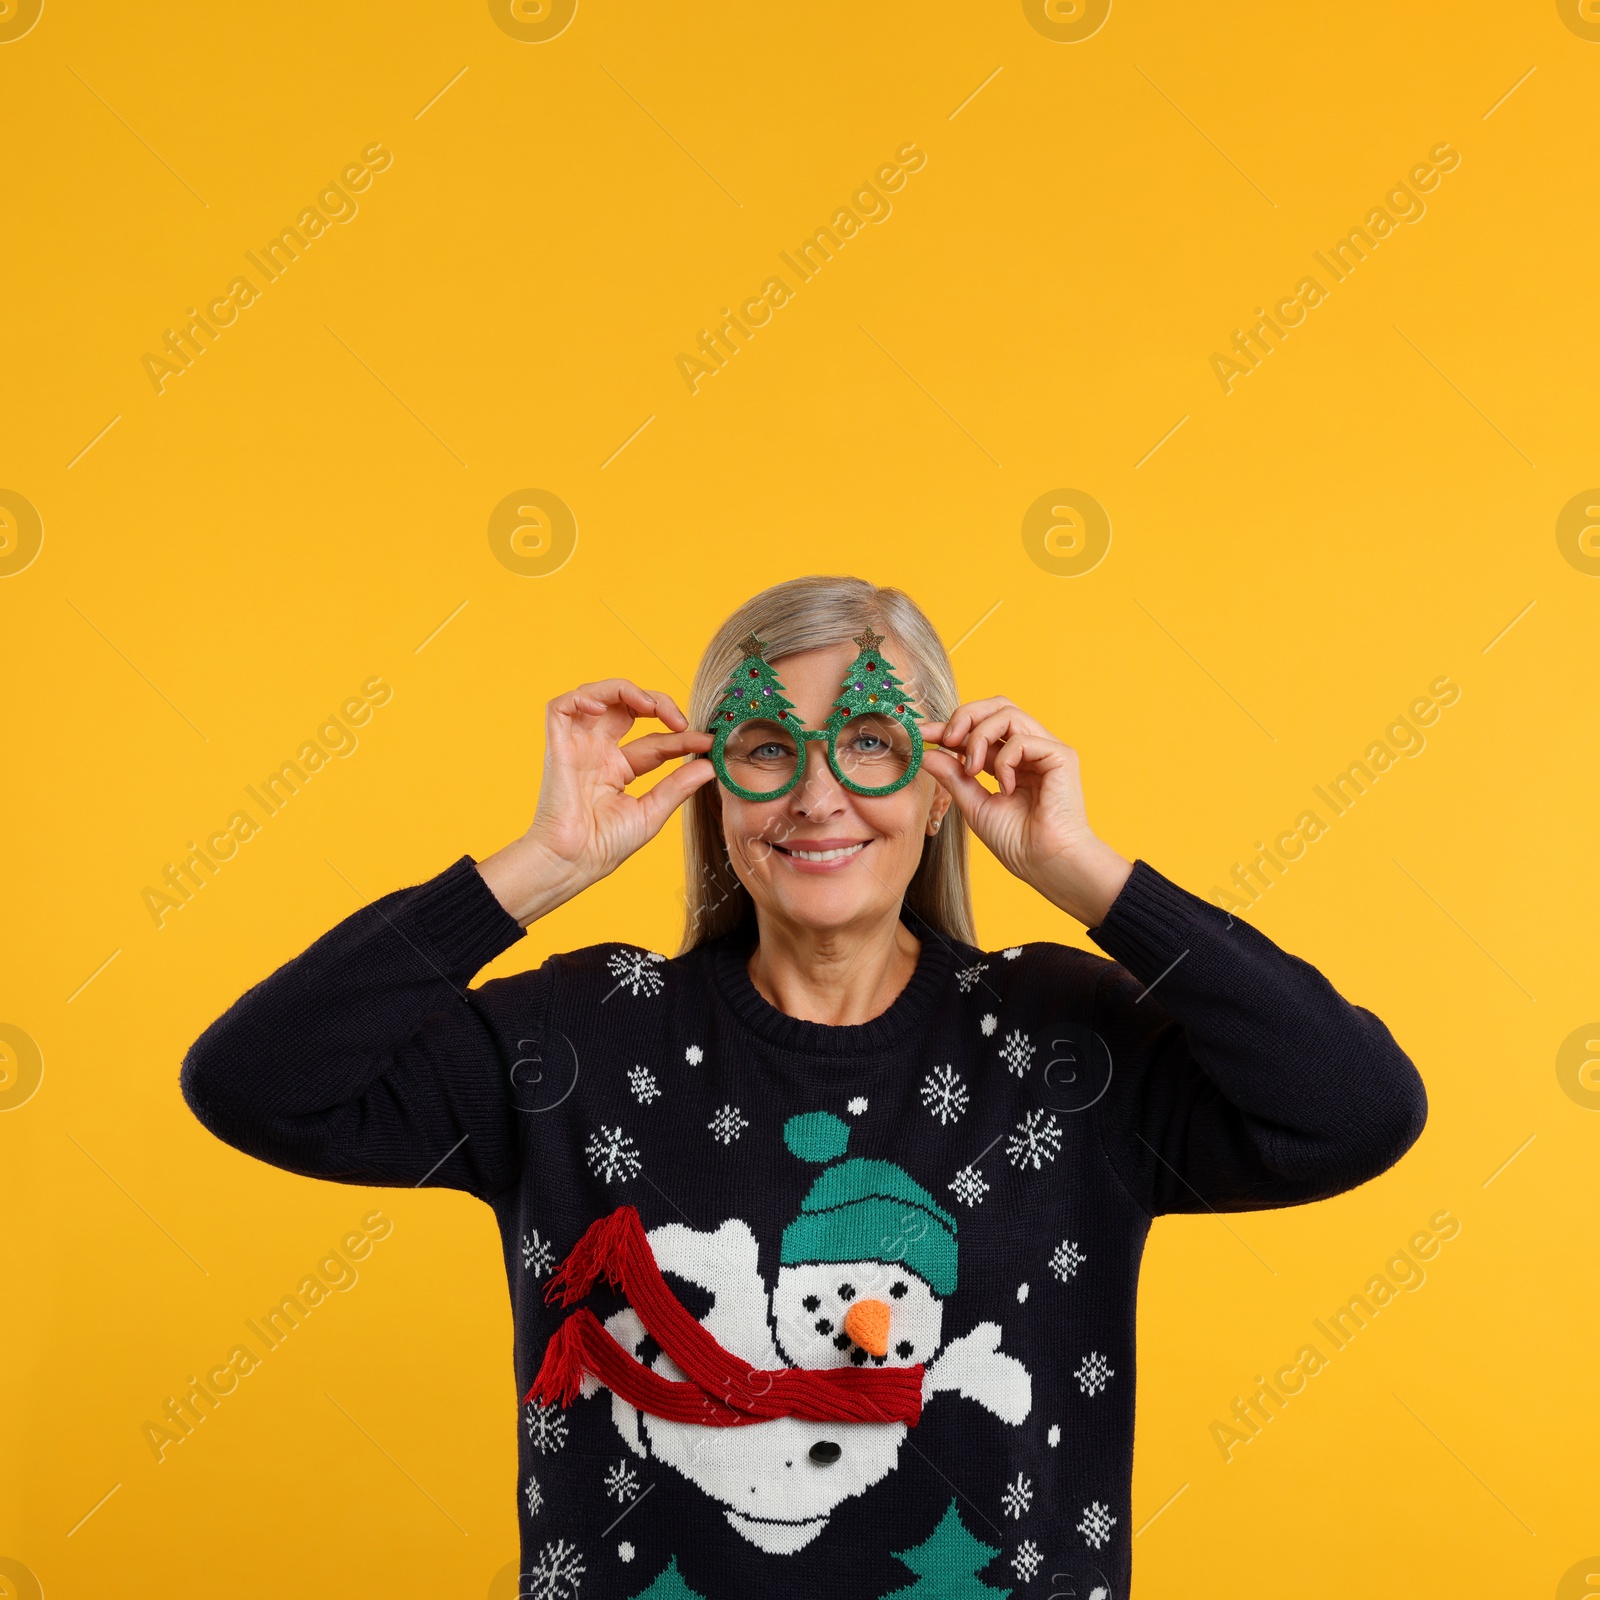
<point x="308" y="505"/>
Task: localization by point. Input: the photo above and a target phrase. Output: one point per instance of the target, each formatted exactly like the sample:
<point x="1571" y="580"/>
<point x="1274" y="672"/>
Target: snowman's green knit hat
<point x="860" y="1210"/>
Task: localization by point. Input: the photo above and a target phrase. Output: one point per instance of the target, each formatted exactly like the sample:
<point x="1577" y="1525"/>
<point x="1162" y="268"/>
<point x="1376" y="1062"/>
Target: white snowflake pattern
<point x="637" y="970"/>
<point x="1027" y="1561"/>
<point x="547" y="1428"/>
<point x="968" y="1186"/>
<point x="944" y="1094"/>
<point x="622" y="1483"/>
<point x="612" y="1155"/>
<point x="537" y="1255"/>
<point x="1022" y="1294"/>
<point x="1053" y="1437"/>
<point x="625" y="1551"/>
<point x="987" y="1023"/>
<point x="1012" y="953"/>
<point x="1017" y="1052"/>
<point x="1066" y="1259"/>
<point x="1017" y="1497"/>
<point x="557" y="1573"/>
<point x="1035" y="1140"/>
<point x="1093" y="1374"/>
<point x="858" y="1105"/>
<point x="728" y="1124"/>
<point x="1097" y="1523"/>
<point x="643" y="1083"/>
<point x="533" y="1494"/>
<point x="968" y="976"/>
<point x="694" y="1055"/>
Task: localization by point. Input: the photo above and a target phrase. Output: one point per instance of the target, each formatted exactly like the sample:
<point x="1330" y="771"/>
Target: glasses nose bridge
<point x="805" y="776"/>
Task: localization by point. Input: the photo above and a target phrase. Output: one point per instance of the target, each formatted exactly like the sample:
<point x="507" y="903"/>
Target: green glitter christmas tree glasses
<point x="758" y="743"/>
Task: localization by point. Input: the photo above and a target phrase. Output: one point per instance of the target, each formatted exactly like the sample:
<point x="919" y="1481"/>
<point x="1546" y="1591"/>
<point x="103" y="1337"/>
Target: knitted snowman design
<point x="863" y="1274"/>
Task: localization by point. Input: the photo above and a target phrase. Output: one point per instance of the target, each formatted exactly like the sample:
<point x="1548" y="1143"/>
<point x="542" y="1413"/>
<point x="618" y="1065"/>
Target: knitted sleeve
<point x="1239" y="1078"/>
<point x="366" y="1059"/>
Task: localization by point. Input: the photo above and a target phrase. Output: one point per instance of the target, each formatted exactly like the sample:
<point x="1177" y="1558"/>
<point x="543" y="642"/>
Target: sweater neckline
<point x="906" y="1013"/>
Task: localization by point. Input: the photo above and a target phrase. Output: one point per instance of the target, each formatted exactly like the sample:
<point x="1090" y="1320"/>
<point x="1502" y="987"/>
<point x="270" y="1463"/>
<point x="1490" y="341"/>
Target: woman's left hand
<point x="1036" y="825"/>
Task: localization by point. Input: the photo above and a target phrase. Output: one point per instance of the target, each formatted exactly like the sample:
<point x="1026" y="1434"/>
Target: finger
<point x="1032" y="748"/>
<point x="672" y="791"/>
<point x="643" y="702"/>
<point x="1004" y="764"/>
<point x="988" y="734"/>
<point x="968" y="794"/>
<point x="647" y="752"/>
<point x="1005" y="722"/>
<point x="667" y="711"/>
<point x="625" y="694"/>
<point x="979" y="740"/>
<point x="583" y="699"/>
<point x="656" y="703"/>
<point x="673" y="743"/>
<point x="957" y="728"/>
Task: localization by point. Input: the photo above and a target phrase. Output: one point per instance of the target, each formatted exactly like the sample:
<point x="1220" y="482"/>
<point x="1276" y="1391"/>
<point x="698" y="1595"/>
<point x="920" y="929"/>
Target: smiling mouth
<point x="777" y="1522"/>
<point x="839" y="853"/>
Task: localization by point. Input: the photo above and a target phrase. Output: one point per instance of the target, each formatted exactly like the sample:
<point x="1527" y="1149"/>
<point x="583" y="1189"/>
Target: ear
<point x="941" y="804"/>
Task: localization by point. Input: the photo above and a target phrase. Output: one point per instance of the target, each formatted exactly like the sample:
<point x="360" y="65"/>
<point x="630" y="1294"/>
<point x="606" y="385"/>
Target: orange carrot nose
<point x="867" y="1322"/>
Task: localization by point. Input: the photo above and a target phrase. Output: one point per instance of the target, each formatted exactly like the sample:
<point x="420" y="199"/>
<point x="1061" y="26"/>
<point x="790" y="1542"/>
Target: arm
<point x="1241" y="1079"/>
<point x="366" y="1058"/>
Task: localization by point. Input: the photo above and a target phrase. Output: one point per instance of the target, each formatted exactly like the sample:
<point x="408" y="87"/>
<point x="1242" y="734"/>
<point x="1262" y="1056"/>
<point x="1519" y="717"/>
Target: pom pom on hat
<point x="817" y="1136"/>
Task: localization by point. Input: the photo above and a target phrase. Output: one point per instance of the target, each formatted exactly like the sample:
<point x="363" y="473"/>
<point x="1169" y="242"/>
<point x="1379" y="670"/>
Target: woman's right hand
<point x="587" y="824"/>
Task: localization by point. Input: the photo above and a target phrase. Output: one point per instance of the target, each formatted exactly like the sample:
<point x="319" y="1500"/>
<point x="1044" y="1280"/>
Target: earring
<point x="936" y="824"/>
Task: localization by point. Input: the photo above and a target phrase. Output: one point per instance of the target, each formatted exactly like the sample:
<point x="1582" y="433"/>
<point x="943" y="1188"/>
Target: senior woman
<point x="823" y="1236"/>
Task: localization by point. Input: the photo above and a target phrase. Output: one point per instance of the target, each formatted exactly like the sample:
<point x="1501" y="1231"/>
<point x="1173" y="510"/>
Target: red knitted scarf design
<point x="722" y="1391"/>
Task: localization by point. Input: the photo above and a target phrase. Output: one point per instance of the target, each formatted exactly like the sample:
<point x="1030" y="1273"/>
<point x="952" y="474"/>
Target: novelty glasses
<point x="759" y="740"/>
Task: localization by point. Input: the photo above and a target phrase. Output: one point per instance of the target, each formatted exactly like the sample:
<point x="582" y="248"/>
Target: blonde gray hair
<point x="803" y="614"/>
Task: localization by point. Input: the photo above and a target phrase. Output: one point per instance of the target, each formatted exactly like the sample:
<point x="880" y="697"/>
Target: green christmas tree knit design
<point x="669" y="1585"/>
<point x="946" y="1564"/>
<point x="870" y="684"/>
<point x="753" y="690"/>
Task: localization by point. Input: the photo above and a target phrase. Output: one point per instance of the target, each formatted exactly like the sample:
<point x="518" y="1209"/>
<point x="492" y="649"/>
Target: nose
<point x="818" y="793"/>
<point x="867" y="1323"/>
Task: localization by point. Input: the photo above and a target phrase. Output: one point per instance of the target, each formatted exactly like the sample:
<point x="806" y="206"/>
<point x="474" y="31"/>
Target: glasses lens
<point x="873" y="751"/>
<point x="761" y="756"/>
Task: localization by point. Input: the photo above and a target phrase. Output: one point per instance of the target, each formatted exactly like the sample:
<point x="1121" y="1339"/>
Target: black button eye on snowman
<point x="864" y="1272"/>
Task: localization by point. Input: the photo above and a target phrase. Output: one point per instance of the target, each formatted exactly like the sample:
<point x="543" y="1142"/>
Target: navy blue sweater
<point x="964" y="1182"/>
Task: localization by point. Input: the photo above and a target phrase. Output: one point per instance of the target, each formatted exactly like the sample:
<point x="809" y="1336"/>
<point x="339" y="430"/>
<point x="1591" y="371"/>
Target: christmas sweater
<point x="851" y="1307"/>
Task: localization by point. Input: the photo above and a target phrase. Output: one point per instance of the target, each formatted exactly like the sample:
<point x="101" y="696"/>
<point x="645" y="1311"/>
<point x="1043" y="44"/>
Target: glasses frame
<point x="829" y="732"/>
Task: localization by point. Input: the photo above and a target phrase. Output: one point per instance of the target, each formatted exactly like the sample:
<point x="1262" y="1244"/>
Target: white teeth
<point x="827" y="855"/>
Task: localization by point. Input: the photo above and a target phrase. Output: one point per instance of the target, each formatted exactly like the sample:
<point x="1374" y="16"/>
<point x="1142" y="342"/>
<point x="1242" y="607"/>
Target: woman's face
<point x="873" y="845"/>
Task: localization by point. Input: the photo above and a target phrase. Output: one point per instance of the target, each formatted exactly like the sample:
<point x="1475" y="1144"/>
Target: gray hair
<point x="805" y="614"/>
